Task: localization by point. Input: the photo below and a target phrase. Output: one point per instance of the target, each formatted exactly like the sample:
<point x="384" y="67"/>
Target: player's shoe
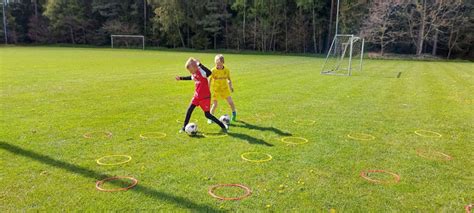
<point x="226" y="129"/>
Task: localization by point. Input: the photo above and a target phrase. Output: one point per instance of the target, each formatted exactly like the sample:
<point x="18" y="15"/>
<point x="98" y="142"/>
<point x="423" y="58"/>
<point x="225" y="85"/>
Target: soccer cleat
<point x="209" y="121"/>
<point x="234" y="116"/>
<point x="223" y="131"/>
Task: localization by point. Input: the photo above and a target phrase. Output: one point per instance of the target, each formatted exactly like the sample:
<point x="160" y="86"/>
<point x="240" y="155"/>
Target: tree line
<point x="438" y="27"/>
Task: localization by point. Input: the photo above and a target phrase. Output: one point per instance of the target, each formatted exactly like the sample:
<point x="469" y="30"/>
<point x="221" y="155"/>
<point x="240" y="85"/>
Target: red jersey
<point x="202" y="85"/>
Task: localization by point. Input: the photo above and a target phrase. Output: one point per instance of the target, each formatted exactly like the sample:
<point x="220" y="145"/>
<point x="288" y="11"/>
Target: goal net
<point x="127" y="41"/>
<point x="345" y="55"/>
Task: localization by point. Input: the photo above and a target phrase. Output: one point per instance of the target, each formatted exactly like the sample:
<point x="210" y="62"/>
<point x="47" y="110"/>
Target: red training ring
<point x="363" y="174"/>
<point x="248" y="192"/>
<point x="100" y="182"/>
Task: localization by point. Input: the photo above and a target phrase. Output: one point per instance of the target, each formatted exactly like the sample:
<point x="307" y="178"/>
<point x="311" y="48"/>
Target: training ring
<point x="361" y="136"/>
<point x="363" y="174"/>
<point x="285" y="140"/>
<point x="100" y="182"/>
<point x="427" y="133"/>
<point x="88" y="135"/>
<point x="269" y="157"/>
<point x="212" y="188"/>
<point x="152" y="135"/>
<point x="304" y="122"/>
<point x="113" y="164"/>
<point x="214" y="135"/>
<point x="422" y="153"/>
<point x="468" y="208"/>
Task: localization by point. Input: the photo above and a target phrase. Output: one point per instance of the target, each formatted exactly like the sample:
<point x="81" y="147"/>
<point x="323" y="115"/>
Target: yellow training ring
<point x="285" y="140"/>
<point x="361" y="136"/>
<point x="152" y="135"/>
<point x="129" y="158"/>
<point x="269" y="157"/>
<point x="428" y="134"/>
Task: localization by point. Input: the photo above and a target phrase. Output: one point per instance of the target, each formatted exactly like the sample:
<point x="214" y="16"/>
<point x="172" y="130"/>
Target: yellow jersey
<point x="219" y="86"/>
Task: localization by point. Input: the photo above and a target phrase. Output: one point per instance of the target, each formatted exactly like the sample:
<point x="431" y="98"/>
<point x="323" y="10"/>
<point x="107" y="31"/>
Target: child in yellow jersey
<point x="221" y="86"/>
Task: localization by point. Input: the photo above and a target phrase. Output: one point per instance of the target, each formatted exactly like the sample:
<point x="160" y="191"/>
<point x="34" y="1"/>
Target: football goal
<point x="127" y="41"/>
<point x="345" y="55"/>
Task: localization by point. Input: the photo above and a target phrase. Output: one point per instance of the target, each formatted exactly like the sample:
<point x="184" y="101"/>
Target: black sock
<point x="217" y="121"/>
<point x="188" y="114"/>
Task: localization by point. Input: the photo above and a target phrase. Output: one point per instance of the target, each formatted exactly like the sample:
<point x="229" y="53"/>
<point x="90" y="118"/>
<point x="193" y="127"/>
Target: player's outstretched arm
<point x="179" y="78"/>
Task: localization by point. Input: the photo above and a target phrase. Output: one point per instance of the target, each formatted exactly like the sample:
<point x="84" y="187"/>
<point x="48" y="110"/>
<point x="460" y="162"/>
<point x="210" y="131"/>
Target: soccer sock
<point x="234" y="115"/>
<point x="188" y="114"/>
<point x="210" y="116"/>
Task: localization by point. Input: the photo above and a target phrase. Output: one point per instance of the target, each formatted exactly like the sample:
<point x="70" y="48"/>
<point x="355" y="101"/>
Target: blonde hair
<point x="188" y="62"/>
<point x="219" y="57"/>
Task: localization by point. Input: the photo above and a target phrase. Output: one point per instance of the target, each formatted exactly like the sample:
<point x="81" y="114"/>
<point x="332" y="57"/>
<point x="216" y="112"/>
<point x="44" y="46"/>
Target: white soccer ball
<point x="191" y="129"/>
<point x="225" y="119"/>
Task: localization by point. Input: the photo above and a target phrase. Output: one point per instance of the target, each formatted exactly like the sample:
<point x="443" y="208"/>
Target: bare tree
<point x="380" y="25"/>
<point x="455" y="28"/>
<point x="425" y="18"/>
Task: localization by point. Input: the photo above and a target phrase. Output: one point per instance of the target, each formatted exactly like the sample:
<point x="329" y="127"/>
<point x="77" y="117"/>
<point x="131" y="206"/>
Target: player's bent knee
<point x="208" y="115"/>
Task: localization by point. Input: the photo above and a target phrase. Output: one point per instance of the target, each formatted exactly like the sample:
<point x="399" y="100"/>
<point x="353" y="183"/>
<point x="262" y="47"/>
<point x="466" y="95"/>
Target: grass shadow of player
<point x="260" y="128"/>
<point x="88" y="173"/>
<point x="249" y="139"/>
<point x="198" y="135"/>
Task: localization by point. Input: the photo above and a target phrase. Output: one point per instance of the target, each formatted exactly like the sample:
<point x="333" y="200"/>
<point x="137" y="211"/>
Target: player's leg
<point x="232" y="106"/>
<point x="188" y="115"/>
<point x="215" y="120"/>
<point x="205" y="105"/>
<point x="213" y="109"/>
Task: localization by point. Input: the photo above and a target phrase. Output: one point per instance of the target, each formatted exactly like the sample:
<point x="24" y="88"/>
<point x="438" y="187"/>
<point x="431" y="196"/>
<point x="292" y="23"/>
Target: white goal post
<point x="345" y="55"/>
<point x="141" y="37"/>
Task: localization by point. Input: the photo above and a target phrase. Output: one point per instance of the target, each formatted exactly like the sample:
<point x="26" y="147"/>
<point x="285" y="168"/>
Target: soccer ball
<point x="191" y="129"/>
<point x="225" y="119"/>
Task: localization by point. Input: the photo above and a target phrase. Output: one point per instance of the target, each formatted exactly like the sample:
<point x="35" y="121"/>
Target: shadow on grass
<point x="261" y="128"/>
<point x="88" y="173"/>
<point x="249" y="138"/>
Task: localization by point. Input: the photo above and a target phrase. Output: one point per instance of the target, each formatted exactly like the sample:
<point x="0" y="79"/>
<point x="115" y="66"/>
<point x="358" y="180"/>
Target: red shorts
<point x="204" y="103"/>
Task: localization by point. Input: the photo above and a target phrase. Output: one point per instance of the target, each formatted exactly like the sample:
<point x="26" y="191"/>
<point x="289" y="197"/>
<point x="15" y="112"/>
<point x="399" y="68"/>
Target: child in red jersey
<point x="202" y="94"/>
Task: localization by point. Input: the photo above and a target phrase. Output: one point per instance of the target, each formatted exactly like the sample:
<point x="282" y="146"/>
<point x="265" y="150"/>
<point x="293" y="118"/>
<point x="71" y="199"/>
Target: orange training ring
<point x="100" y="182"/>
<point x="363" y="174"/>
<point x="89" y="135"/>
<point x="247" y="191"/>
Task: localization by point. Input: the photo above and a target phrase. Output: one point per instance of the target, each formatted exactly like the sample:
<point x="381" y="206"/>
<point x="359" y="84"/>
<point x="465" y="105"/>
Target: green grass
<point x="50" y="97"/>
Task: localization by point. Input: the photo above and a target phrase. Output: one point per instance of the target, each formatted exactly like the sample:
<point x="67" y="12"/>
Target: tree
<point x="380" y="25"/>
<point x="170" y="18"/>
<point x="38" y="30"/>
<point x="459" y="28"/>
<point x="68" y="18"/>
<point x="211" y="22"/>
<point x="312" y="6"/>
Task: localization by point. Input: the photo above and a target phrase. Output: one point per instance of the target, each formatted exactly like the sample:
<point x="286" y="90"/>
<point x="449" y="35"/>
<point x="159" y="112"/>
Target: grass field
<point x="50" y="97"/>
